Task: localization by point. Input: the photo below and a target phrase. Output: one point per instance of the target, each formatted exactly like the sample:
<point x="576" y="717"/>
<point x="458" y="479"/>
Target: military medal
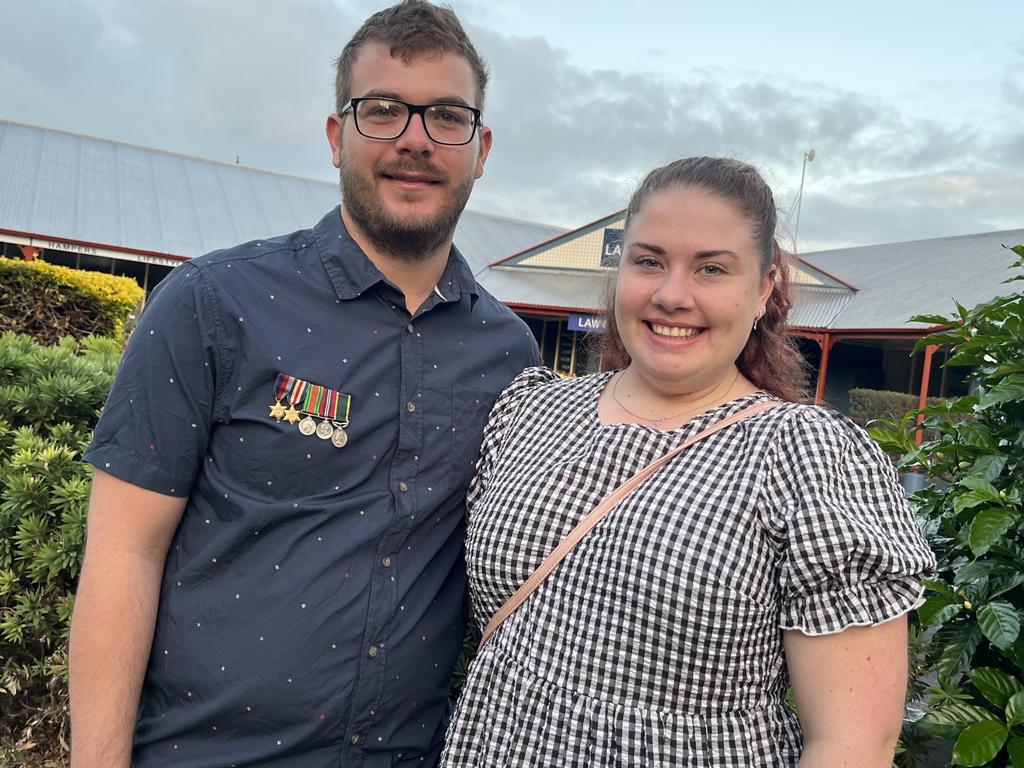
<point x="308" y="402"/>
<point x="277" y="410"/>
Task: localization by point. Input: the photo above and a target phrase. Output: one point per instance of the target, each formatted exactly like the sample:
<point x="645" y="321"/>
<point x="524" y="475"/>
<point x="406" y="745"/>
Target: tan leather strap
<point x="602" y="509"/>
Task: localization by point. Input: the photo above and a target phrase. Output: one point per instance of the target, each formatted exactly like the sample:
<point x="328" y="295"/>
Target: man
<point x="273" y="574"/>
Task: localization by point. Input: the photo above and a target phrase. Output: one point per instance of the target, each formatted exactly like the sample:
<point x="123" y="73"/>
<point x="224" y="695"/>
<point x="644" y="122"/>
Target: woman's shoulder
<point x="814" y="418"/>
<point x="540" y="380"/>
<point x="815" y="433"/>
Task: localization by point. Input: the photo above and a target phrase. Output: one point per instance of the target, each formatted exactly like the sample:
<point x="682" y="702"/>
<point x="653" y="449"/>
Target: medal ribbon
<point x="316" y="400"/>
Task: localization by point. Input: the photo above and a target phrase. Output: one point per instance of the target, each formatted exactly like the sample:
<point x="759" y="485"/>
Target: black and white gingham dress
<point x="657" y="641"/>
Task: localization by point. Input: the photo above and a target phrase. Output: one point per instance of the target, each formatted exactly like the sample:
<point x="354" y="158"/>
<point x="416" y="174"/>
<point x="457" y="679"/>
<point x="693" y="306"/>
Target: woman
<point x="778" y="551"/>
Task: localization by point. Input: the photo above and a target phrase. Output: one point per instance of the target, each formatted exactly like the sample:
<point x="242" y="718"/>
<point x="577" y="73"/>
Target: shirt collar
<point x="352" y="273"/>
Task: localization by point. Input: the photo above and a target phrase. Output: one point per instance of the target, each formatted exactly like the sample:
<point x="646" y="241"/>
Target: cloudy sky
<point x="914" y="108"/>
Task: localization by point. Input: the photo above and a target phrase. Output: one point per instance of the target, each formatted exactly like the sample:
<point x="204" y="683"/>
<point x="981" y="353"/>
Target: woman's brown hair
<point x="770" y="359"/>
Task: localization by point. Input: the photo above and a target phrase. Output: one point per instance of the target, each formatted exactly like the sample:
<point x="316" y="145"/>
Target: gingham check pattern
<point x="657" y="641"/>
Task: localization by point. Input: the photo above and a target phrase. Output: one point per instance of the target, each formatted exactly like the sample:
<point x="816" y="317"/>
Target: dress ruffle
<point x="867" y="604"/>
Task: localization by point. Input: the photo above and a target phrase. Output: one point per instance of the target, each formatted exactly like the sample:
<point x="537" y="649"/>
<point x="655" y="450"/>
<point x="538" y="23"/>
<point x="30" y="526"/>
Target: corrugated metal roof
<point x="816" y="306"/>
<point x="576" y="290"/>
<point x="898" y="280"/>
<point x="69" y="186"/>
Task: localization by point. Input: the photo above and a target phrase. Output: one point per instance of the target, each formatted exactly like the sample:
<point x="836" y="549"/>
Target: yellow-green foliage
<point x="117" y="297"/>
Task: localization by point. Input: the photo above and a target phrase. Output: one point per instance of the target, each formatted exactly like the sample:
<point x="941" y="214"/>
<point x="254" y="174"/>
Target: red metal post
<point x="825" y="342"/>
<point x="922" y="401"/>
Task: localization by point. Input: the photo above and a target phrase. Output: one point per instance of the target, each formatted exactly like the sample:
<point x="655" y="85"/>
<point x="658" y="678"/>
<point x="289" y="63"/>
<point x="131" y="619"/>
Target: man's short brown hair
<point x="410" y="29"/>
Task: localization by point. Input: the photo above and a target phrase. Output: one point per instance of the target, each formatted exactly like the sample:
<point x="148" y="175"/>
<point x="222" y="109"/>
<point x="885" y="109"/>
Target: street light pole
<point x="808" y="158"/>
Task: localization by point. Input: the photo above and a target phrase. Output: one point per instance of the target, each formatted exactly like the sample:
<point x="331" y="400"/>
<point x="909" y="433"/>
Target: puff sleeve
<point x="503" y="415"/>
<point x="852" y="553"/>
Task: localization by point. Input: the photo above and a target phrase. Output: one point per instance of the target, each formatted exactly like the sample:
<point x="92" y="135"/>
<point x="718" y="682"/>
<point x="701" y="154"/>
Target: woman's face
<point x="688" y="290"/>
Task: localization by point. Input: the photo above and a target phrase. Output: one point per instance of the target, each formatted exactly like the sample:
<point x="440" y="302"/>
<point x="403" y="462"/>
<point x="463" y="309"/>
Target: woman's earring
<point x="755" y="322"/>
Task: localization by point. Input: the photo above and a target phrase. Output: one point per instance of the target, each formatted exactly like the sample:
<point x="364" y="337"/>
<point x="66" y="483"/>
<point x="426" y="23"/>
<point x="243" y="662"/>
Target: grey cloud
<point x="206" y="79"/>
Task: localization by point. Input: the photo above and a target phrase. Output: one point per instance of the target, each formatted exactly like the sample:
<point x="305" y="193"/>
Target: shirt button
<point x="403" y="487"/>
<point x="410" y="406"/>
<point x="409" y="328"/>
<point x="373" y="651"/>
<point x="386" y="562"/>
<point x="355" y="738"/>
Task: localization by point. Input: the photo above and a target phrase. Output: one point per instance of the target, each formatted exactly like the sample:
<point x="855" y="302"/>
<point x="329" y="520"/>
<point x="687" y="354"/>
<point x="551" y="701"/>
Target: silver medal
<point x="307" y="426"/>
<point x="324" y="430"/>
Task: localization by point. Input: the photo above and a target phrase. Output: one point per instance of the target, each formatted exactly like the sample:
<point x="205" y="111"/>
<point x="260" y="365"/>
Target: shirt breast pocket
<point x="469" y="414"/>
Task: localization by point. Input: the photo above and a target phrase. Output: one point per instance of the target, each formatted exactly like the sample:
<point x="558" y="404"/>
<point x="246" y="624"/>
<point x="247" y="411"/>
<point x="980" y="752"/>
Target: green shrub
<point x="47" y="302"/>
<point x="973" y="520"/>
<point x="49" y="401"/>
<point x="868" y="405"/>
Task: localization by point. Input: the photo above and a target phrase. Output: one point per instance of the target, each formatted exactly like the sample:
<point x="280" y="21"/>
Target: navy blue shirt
<point x="313" y="599"/>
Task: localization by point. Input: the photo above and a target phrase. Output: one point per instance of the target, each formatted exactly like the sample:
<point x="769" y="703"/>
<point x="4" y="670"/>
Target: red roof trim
<point x="517" y="307"/>
<point x="88" y="244"/>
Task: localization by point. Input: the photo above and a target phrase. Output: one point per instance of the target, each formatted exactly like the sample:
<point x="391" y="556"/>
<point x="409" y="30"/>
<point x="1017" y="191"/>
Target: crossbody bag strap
<point x="602" y="509"/>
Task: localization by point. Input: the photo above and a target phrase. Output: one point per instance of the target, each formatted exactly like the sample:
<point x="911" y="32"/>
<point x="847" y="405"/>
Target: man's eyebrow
<point x="380" y="94"/>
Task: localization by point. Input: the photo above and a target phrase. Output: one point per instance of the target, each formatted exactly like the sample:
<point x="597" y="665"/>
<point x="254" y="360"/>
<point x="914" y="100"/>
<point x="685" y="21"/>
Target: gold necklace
<point x="657" y="421"/>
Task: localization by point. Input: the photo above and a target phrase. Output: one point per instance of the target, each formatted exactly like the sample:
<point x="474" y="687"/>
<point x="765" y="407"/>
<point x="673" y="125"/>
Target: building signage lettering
<point x="611" y="250"/>
<point x="71" y="248"/>
<point x="587" y="323"/>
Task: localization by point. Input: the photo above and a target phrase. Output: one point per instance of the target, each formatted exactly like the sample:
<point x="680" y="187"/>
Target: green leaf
<point x="988" y="526"/>
<point x="1009" y="389"/>
<point x="1015" y="709"/>
<point x="1000" y="623"/>
<point x="939" y="609"/>
<point x="989" y="467"/>
<point x="1015" y="748"/>
<point x="958" y="645"/>
<point x="999" y="586"/>
<point x="969" y="500"/>
<point x="960" y="713"/>
<point x="932" y="319"/>
<point x="978" y="435"/>
<point x="980" y="485"/>
<point x="995" y="685"/>
<point x="979" y="743"/>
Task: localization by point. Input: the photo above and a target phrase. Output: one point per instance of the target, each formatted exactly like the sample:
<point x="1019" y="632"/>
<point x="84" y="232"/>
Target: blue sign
<point x="611" y="250"/>
<point x="588" y="323"/>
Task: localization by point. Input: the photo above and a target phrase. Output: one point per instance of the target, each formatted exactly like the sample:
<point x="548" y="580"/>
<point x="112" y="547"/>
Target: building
<point x="852" y="307"/>
<point x="130" y="210"/>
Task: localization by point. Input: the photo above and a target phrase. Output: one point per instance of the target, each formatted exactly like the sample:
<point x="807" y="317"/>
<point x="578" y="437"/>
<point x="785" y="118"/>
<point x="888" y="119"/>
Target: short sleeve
<point x="852" y="552"/>
<point x="503" y="414"/>
<point x="157" y="420"/>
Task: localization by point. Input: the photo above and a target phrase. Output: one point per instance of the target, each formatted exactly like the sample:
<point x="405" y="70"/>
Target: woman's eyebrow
<point x="647" y="247"/>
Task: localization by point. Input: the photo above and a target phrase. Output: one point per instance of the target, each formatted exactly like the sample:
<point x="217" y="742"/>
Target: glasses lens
<point x="381" y="119"/>
<point x="445" y="123"/>
<point x="449" y="123"/>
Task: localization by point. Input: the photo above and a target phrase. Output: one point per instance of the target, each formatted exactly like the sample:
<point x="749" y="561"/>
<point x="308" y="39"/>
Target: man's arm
<point x="850" y="690"/>
<point x="129" y="532"/>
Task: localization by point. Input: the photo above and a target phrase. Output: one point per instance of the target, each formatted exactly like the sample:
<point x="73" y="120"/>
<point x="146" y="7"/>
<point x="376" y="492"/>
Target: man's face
<point x="405" y="195"/>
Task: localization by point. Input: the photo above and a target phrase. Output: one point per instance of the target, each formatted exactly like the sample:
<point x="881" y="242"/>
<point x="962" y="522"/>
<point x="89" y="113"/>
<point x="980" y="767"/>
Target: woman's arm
<point x="850" y="690"/>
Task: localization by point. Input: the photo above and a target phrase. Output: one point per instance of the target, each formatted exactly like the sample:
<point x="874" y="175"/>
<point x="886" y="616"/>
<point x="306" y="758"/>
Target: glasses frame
<point x="414" y="109"/>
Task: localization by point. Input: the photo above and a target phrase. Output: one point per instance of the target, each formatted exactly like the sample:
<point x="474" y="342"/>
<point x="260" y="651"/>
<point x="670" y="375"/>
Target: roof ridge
<point x="919" y="240"/>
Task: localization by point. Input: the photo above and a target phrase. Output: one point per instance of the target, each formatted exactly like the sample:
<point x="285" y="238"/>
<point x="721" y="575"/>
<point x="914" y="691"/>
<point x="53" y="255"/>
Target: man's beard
<point x="410" y="239"/>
